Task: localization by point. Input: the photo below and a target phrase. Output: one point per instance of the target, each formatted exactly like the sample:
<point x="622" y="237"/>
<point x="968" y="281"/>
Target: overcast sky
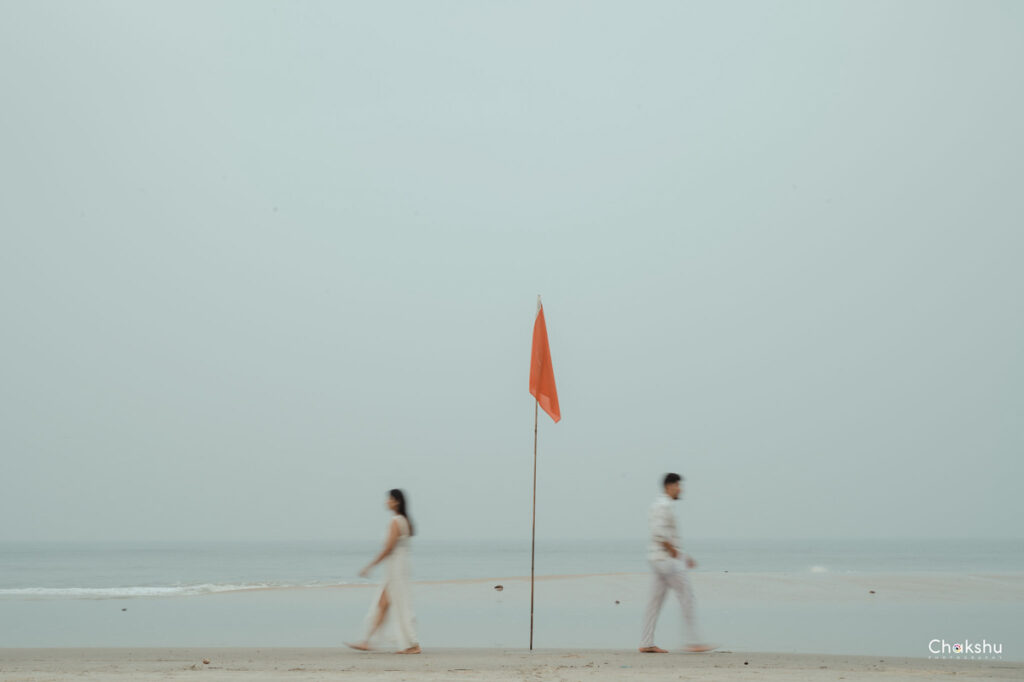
<point x="262" y="261"/>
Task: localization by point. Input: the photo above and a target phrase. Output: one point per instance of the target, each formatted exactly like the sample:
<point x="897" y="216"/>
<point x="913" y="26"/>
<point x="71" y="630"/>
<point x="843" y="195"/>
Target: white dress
<point x="398" y="584"/>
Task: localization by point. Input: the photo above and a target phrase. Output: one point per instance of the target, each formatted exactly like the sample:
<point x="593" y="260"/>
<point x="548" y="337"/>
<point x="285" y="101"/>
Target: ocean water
<point x="127" y="570"/>
<point x="752" y="595"/>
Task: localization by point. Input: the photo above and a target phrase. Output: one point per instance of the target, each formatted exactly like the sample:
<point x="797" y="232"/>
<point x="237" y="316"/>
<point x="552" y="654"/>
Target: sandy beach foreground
<point x="36" y="665"/>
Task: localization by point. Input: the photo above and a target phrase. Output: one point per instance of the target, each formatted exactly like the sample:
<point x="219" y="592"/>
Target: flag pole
<point x="533" y="530"/>
<point x="542" y="383"/>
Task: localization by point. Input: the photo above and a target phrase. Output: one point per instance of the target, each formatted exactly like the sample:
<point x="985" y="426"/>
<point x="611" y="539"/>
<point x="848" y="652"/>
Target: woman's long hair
<point x="403" y="506"/>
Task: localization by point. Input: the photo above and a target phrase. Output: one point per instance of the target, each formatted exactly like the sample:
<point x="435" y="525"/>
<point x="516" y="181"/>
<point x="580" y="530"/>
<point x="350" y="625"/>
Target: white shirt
<point x="663" y="528"/>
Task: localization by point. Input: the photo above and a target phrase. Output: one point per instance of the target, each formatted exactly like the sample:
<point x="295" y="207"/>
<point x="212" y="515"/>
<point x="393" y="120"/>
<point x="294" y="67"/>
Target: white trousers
<point x="669" y="574"/>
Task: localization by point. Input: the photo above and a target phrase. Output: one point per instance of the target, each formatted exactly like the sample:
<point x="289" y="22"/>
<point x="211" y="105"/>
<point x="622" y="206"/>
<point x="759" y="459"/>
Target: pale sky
<point x="262" y="261"/>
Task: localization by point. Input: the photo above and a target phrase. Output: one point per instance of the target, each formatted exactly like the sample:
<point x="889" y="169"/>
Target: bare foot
<point x="414" y="649"/>
<point x="361" y="646"/>
<point x="700" y="648"/>
<point x="651" y="650"/>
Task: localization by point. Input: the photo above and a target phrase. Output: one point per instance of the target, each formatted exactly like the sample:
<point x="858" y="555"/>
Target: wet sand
<point x="264" y="664"/>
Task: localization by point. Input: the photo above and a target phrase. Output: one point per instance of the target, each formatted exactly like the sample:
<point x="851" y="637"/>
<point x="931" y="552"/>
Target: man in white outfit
<point x="669" y="565"/>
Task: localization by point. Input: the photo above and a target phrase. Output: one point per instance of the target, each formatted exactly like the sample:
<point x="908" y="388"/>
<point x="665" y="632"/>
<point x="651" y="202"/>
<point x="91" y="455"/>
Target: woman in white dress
<point x="394" y="599"/>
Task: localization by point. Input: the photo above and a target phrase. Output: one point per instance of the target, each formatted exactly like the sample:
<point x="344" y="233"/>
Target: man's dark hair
<point x="672" y="478"/>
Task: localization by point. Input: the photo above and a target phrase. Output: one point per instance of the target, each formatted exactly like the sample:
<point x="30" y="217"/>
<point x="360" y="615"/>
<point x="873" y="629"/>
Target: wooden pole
<point x="533" y="530"/>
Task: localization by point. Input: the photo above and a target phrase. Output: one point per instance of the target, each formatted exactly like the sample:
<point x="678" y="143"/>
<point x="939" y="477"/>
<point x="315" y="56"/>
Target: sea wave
<point x="137" y="591"/>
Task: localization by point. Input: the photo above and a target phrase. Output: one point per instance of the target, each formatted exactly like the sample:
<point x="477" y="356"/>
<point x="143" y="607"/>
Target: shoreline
<point x="903" y="579"/>
<point x="894" y="615"/>
<point x="263" y="664"/>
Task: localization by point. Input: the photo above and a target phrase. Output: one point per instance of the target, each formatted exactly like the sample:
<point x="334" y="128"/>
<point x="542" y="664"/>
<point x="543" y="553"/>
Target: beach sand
<point x="56" y="665"/>
<point x="584" y="628"/>
<point x="885" y="615"/>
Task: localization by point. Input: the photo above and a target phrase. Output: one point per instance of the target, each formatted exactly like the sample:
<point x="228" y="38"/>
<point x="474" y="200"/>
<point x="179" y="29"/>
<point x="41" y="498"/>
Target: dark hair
<point x="672" y="478"/>
<point x="403" y="506"/>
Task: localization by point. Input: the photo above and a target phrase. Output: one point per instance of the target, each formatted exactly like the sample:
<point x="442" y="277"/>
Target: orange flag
<point x="542" y="376"/>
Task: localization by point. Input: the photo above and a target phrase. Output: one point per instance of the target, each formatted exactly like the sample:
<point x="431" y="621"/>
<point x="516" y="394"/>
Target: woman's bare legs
<point x="382" y="613"/>
<point x="414" y="649"/>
